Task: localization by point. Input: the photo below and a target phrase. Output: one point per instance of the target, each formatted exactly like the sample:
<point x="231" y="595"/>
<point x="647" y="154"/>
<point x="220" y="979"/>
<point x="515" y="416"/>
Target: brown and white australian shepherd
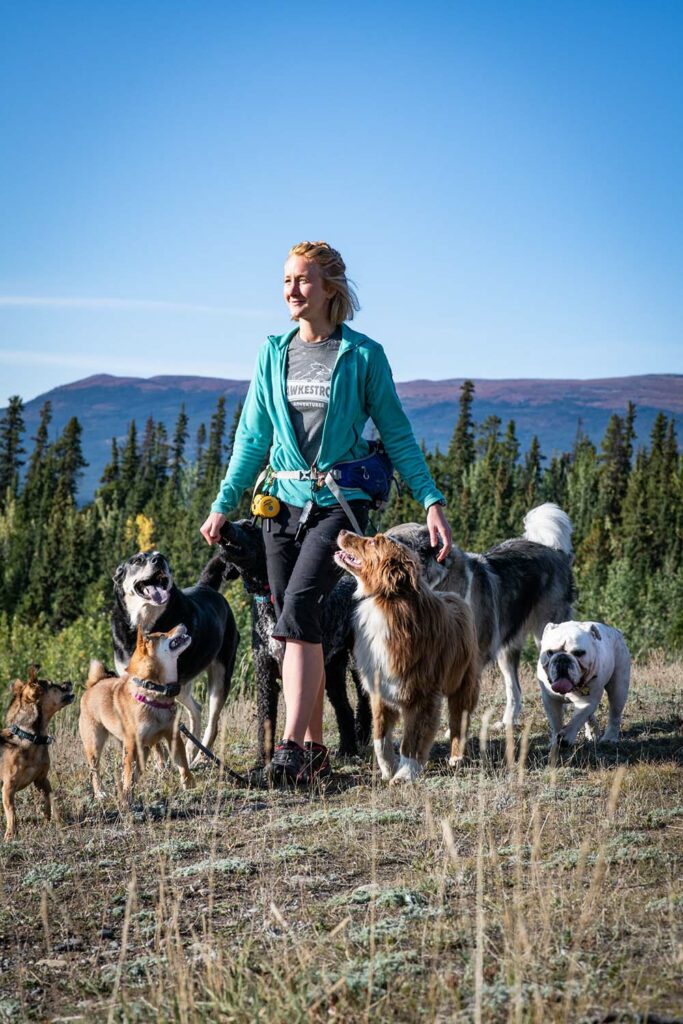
<point x="413" y="646"/>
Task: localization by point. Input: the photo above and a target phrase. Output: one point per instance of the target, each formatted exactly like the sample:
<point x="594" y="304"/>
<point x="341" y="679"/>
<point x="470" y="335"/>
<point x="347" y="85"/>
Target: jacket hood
<point x="350" y="338"/>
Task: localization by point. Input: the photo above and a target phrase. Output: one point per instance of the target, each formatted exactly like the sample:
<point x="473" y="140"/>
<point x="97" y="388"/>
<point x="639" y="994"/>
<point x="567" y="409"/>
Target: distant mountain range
<point x="551" y="409"/>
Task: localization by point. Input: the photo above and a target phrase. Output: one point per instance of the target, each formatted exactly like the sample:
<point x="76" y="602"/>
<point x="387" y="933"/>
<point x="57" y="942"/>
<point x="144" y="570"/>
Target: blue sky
<point x="503" y="180"/>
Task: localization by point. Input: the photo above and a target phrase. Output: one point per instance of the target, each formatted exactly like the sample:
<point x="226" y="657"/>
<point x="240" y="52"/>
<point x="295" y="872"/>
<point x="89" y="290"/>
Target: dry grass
<point x="511" y="890"/>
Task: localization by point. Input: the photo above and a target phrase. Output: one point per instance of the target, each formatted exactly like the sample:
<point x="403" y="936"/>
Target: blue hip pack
<point x="373" y="474"/>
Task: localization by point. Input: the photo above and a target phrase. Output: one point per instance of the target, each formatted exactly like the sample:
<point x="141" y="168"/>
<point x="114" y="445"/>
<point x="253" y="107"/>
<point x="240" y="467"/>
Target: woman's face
<point x="305" y="292"/>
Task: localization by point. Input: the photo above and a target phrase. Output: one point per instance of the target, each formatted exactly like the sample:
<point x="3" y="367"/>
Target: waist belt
<point x="320" y="479"/>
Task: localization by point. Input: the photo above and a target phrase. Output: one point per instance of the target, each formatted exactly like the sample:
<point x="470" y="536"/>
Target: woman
<point x="312" y="393"/>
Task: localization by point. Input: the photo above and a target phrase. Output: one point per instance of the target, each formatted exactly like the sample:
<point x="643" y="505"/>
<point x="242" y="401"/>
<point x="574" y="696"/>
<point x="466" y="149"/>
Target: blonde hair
<point x="344" y="302"/>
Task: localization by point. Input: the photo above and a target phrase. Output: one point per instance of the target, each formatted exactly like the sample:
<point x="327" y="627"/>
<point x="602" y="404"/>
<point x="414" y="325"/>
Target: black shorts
<point x="301" y="573"/>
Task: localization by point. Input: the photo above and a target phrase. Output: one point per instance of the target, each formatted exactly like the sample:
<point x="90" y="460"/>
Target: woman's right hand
<point x="211" y="529"/>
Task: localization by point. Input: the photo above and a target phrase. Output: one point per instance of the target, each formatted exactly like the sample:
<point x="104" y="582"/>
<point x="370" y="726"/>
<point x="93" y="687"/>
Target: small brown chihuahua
<point x="24" y="753"/>
<point x="137" y="708"/>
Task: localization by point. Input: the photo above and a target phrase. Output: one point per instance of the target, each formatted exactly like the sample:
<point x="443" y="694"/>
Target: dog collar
<point x="165" y="705"/>
<point x="32" y="737"/>
<point x="167" y="690"/>
<point x="583" y="688"/>
<point x="263" y="598"/>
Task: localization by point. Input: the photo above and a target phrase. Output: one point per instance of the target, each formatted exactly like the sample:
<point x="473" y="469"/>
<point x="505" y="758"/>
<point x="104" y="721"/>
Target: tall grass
<point x="513" y="890"/>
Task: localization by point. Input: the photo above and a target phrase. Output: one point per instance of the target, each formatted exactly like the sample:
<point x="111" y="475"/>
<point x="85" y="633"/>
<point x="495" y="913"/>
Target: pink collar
<point x="166" y="705"/>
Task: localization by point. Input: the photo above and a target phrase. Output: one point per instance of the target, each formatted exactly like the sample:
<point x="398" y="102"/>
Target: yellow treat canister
<point x="265" y="505"/>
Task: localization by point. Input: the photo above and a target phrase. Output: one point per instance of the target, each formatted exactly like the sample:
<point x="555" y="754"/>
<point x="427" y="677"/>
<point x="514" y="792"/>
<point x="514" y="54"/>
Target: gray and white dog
<point x="579" y="662"/>
<point x="513" y="589"/>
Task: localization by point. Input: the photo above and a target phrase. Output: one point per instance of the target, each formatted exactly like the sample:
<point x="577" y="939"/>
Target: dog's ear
<point x="226" y="532"/>
<point x="402" y="572"/>
<point x="436" y="572"/>
<point x="595" y="632"/>
<point x="31" y="690"/>
<point x="17" y="687"/>
<point x="119" y="573"/>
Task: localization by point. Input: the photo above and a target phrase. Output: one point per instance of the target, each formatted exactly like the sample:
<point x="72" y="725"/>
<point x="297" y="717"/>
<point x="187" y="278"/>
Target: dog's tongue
<point x="562" y="686"/>
<point x="157" y="595"/>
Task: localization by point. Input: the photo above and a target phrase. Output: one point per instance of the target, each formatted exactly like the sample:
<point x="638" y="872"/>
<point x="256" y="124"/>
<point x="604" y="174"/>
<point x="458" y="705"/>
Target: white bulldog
<point x="578" y="662"/>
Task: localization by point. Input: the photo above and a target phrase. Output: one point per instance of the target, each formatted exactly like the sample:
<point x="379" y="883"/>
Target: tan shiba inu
<point x="137" y="708"/>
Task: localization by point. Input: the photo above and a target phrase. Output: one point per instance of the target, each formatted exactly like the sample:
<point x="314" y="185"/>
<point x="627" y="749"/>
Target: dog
<point x="146" y="596"/>
<point x="413" y="646"/>
<point x="579" y="661"/>
<point x="137" y="708"/>
<point x="244" y="553"/>
<point x="513" y="589"/>
<point x="24" y="744"/>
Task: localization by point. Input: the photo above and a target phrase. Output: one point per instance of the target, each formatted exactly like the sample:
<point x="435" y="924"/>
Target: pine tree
<point x="461" y="450"/>
<point x="663" y="500"/>
<point x="111" y="476"/>
<point x="146" y="474"/>
<point x="582" y="485"/>
<point x="630" y="430"/>
<point x="130" y="466"/>
<point x="161" y="456"/>
<point x="11" y="430"/>
<point x="180" y="435"/>
<point x="200" y="442"/>
<point x="659" y="479"/>
<point x="669" y="522"/>
<point x="38" y="483"/>
<point x="69" y="461"/>
<point x="636" y="528"/>
<point x="528" y="489"/>
<point x="212" y="465"/>
<point x="215" y="452"/>
<point x="506" y="482"/>
<point x="484" y="477"/>
<point x="615" y="466"/>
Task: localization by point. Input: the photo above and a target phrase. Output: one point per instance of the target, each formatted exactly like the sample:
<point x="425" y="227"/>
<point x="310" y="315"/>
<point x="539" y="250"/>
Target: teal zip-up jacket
<point x="361" y="386"/>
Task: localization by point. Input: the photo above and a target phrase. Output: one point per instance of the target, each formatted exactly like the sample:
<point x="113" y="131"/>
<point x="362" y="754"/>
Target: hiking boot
<point x="317" y="765"/>
<point x="288" y="764"/>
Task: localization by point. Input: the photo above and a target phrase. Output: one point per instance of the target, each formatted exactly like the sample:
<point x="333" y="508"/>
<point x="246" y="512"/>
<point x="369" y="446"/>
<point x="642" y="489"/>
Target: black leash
<point x="212" y="757"/>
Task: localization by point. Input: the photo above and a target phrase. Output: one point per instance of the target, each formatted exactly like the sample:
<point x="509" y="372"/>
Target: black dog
<point x="145" y="595"/>
<point x="242" y="543"/>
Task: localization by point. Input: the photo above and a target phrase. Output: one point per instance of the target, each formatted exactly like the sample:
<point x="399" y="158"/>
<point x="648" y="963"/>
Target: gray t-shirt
<point x="309" y="369"/>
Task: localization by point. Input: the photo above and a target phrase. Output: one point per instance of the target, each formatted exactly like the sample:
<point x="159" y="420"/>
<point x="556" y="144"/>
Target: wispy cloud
<point x="106" y="303"/>
<point x="129" y="367"/>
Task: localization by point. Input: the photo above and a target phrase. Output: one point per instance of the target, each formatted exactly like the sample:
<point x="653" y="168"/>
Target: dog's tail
<point x="216" y="572"/>
<point x="548" y="524"/>
<point x="96" y="672"/>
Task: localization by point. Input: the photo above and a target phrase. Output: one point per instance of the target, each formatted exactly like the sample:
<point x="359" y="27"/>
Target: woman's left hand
<point x="439" y="530"/>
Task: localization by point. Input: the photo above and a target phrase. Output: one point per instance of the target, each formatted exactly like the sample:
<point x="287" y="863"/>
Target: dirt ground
<point x="510" y="889"/>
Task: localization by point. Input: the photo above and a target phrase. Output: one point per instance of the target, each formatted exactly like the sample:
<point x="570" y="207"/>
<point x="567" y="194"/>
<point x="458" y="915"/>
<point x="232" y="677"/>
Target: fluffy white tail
<point x="548" y="524"/>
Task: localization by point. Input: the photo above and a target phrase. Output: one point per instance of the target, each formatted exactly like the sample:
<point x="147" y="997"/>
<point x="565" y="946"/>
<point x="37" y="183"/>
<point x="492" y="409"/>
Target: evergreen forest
<point x="57" y="557"/>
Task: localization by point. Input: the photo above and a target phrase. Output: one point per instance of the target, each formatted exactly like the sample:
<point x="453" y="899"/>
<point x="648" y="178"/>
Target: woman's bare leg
<point x="315" y="724"/>
<point x="303" y="685"/>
